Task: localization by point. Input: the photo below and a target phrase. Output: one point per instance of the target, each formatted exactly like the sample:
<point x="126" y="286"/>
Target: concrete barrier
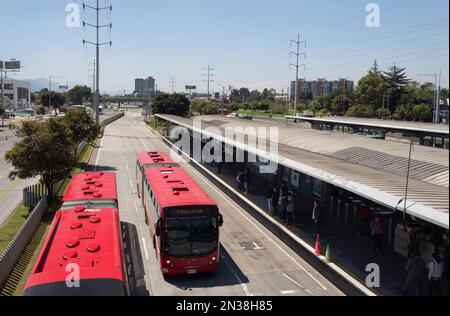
<point x="340" y="278"/>
<point x="111" y="119"/>
<point x="20" y="241"/>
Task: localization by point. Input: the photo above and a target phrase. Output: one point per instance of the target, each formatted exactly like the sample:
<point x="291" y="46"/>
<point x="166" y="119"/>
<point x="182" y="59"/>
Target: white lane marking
<point x="145" y="249"/>
<point x="257" y="247"/>
<point x="256" y="226"/>
<point x="296" y="283"/>
<point x="259" y="229"/>
<point x="243" y="285"/>
<point x="98" y="155"/>
<point x="288" y="292"/>
<point x="131" y="184"/>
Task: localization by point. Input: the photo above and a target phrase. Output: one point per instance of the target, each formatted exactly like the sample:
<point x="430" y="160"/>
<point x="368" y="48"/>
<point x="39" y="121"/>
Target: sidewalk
<point x="349" y="251"/>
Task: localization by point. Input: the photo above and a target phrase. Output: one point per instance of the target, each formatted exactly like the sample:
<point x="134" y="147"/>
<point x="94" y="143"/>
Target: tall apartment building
<point x="145" y="87"/>
<point x="321" y="87"/>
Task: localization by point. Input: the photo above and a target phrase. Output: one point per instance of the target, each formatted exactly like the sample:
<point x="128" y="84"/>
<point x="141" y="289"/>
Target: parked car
<point x="245" y="117"/>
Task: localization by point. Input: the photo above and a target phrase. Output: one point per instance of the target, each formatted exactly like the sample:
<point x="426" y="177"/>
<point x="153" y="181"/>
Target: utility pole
<point x="288" y="99"/>
<point x="3" y="84"/>
<point x="297" y="53"/>
<point x="438" y="103"/>
<point x="172" y="83"/>
<point x="209" y="80"/>
<point x="436" y="96"/>
<point x="97" y="44"/>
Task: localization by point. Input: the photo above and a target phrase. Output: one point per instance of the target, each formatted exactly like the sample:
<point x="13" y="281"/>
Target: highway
<point x="254" y="262"/>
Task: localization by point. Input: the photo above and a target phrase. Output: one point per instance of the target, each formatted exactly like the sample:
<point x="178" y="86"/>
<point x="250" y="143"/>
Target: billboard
<point x="191" y="87"/>
<point x="12" y="65"/>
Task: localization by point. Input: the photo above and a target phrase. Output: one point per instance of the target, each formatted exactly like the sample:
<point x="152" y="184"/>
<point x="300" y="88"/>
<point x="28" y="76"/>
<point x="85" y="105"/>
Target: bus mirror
<point x="220" y="220"/>
<point x="158" y="229"/>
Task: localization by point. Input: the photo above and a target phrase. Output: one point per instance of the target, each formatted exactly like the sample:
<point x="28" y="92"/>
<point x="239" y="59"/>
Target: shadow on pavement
<point x="134" y="264"/>
<point x="227" y="274"/>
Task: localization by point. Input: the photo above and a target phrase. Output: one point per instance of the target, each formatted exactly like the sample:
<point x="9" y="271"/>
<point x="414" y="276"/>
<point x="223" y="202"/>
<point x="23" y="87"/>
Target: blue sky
<point x="246" y="41"/>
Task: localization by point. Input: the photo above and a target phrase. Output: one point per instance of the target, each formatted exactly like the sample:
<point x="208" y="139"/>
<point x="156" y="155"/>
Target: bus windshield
<point x="190" y="237"/>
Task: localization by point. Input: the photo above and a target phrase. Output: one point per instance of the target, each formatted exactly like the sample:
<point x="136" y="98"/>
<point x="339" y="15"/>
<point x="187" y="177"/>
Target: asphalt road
<point x="10" y="191"/>
<point x="254" y="262"/>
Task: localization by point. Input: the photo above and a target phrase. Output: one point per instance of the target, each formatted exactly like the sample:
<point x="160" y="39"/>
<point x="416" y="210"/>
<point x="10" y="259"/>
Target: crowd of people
<point x="423" y="278"/>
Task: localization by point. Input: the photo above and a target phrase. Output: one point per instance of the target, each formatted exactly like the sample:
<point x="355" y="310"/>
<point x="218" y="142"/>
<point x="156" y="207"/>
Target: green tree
<point x="173" y="104"/>
<point x="370" y="90"/>
<point x="44" y="150"/>
<point x="396" y="82"/>
<point x="204" y="107"/>
<point x="341" y="104"/>
<point x="40" y="110"/>
<point x="81" y="127"/>
<point x="255" y="95"/>
<point x="57" y="100"/>
<point x="360" y="111"/>
<point x="78" y="93"/>
<point x="423" y="112"/>
<point x="375" y="68"/>
<point x="382" y="113"/>
<point x="244" y="94"/>
<point x="235" y="96"/>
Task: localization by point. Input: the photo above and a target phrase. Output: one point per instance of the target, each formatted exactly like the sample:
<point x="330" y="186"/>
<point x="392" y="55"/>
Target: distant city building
<point x="145" y="87"/>
<point x="17" y="95"/>
<point x="321" y="87"/>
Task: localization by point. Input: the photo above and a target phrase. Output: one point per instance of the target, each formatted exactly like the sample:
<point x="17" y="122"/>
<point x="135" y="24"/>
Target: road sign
<point x="12" y="65"/>
<point x="191" y="87"/>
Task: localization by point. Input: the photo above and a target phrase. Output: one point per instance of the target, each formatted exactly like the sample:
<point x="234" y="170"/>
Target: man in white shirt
<point x="435" y="273"/>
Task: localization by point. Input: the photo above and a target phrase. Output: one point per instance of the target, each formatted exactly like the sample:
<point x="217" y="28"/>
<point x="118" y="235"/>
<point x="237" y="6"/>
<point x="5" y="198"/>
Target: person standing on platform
<point x="377" y="234"/>
<point x="435" y="274"/>
<point x="416" y="270"/>
<point x="275" y="200"/>
<point x="290" y="211"/>
<point x="317" y="216"/>
<point x="269" y="197"/>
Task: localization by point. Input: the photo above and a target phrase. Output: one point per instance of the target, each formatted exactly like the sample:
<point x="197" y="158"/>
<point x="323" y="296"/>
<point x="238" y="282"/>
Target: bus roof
<point x="89" y="238"/>
<point x="153" y="157"/>
<point x="173" y="187"/>
<point x="92" y="186"/>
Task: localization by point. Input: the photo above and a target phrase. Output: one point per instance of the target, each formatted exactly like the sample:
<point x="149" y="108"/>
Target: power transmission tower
<point x="209" y="80"/>
<point x="97" y="44"/>
<point x="172" y="84"/>
<point x="297" y="53"/>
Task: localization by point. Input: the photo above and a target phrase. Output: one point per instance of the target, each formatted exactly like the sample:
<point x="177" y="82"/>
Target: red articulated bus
<point x="83" y="252"/>
<point x="184" y="221"/>
<point x="147" y="160"/>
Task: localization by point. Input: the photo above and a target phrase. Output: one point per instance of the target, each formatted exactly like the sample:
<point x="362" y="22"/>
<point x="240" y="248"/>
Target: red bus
<point x="84" y="244"/>
<point x="147" y="160"/>
<point x="92" y="190"/>
<point x="184" y="222"/>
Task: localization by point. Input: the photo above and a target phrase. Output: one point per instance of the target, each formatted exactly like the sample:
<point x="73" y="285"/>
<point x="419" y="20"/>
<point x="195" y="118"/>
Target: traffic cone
<point x="328" y="254"/>
<point x="318" y="248"/>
